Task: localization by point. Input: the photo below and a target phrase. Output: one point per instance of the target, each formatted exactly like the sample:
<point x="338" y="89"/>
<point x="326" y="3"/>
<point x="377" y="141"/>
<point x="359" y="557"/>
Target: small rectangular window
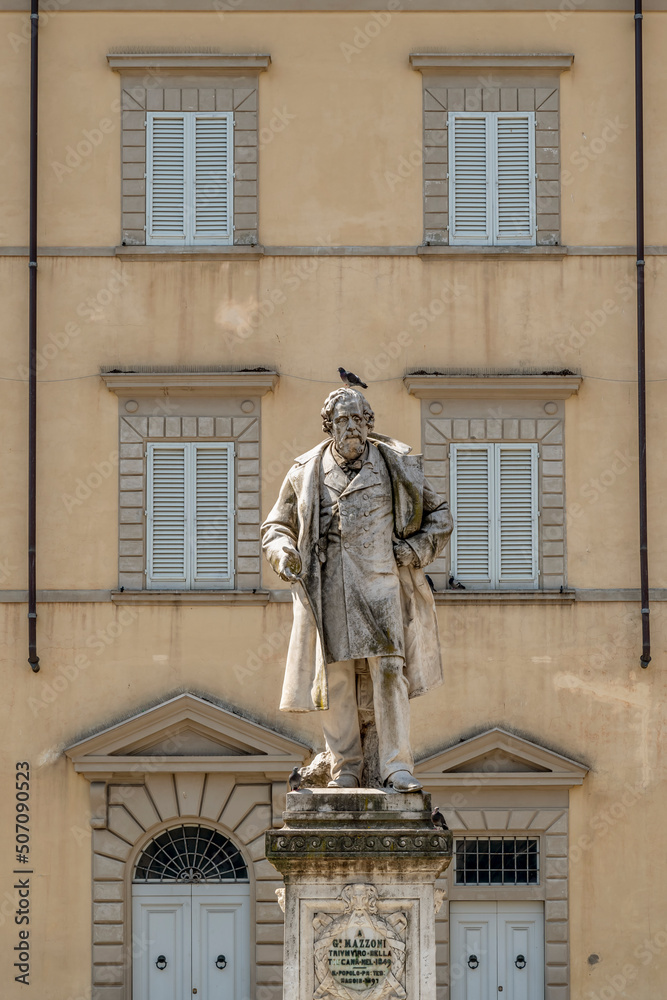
<point x="497" y="861"/>
<point x="494" y="505"/>
<point x="189" y="178"/>
<point x="190" y="516"/>
<point x="492" y="178"/>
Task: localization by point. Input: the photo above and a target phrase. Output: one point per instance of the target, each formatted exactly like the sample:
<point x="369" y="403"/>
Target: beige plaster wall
<point x="320" y="313"/>
<point x="566" y="676"/>
<point x="352" y="107"/>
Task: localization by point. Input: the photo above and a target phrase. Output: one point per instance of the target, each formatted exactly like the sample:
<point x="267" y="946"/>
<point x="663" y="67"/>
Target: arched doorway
<point x="191" y="917"/>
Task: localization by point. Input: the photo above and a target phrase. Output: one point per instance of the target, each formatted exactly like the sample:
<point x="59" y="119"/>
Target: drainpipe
<point x="645" y="657"/>
<point x="33" y="658"/>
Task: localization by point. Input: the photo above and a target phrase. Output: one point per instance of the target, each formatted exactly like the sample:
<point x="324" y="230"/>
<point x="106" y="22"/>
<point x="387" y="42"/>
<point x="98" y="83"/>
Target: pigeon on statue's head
<point x="349" y="378"/>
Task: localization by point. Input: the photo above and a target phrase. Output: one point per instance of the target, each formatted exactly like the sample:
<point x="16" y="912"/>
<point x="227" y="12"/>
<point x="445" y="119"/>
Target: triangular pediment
<point x="500" y="758"/>
<point x="186" y="733"/>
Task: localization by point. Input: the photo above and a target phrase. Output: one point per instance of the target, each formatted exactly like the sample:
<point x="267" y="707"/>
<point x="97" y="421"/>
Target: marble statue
<point x="353" y="526"/>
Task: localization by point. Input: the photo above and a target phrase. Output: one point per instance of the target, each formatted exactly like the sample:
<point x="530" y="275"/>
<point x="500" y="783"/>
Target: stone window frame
<point x="189" y="82"/>
<point x="152" y="408"/>
<point x="486" y="409"/>
<point x="494" y="82"/>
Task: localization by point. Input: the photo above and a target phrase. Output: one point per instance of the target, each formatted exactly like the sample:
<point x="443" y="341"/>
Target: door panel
<point x="521" y="932"/>
<point x="220" y="928"/>
<point x="473" y="934"/>
<point x="497" y="933"/>
<point x="161" y="928"/>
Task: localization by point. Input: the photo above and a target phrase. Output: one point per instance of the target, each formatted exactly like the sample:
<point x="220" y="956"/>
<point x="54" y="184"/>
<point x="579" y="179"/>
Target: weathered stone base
<point x="359" y="868"/>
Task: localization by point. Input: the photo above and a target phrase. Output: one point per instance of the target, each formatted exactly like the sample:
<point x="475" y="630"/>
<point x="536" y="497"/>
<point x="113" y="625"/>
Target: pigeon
<point x="295" y="780"/>
<point x="455" y="584"/>
<point x="430" y="582"/>
<point x="438" y="819"/>
<point x="350" y="379"/>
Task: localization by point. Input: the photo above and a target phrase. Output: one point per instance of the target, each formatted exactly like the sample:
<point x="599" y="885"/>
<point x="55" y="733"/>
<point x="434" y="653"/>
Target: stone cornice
<point x="491" y="60"/>
<point x="252" y="383"/>
<point x="492" y="386"/>
<point x="140" y="62"/>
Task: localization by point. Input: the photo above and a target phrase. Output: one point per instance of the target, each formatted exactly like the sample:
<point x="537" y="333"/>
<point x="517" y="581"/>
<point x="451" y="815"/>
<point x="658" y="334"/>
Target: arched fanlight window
<point x="190" y="854"/>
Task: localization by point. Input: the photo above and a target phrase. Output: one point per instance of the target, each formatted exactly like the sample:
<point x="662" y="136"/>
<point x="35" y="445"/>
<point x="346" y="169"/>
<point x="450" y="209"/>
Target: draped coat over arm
<point x="421" y="518"/>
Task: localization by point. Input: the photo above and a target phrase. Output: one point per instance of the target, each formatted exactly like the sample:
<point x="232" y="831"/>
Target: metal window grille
<point x="190" y="854"/>
<point x="497" y="861"/>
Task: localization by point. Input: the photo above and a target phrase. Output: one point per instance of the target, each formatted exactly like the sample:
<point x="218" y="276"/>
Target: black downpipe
<point x="645" y="658"/>
<point x="33" y="658"/>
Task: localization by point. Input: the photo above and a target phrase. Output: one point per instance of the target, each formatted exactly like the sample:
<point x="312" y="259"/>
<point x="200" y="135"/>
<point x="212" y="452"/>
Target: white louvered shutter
<point x="213" y="178"/>
<point x="515" y="179"/>
<point x="213" y="515"/>
<point x="471" y="478"/>
<point x="166" y="181"/>
<point x="470" y="179"/>
<point x="167" y="527"/>
<point x="516" y="479"/>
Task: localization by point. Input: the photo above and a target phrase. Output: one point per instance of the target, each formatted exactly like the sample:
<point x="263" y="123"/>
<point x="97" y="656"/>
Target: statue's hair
<point x="337" y="396"/>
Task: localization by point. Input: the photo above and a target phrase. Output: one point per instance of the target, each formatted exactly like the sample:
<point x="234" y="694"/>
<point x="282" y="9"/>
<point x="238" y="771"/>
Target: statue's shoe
<point x="344" y="781"/>
<point x="403" y="781"/>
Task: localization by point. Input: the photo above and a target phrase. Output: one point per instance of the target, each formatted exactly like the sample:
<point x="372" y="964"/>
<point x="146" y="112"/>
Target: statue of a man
<point x="353" y="525"/>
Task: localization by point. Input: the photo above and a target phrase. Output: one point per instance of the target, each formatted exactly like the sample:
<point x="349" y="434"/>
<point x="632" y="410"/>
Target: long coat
<point x="420" y="517"/>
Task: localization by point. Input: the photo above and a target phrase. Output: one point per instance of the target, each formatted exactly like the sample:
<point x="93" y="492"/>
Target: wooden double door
<point x="497" y="950"/>
<point x="191" y="941"/>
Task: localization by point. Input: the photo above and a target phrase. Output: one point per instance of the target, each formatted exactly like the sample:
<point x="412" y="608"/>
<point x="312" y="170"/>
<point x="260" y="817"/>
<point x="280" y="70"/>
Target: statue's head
<point x="347" y="416"/>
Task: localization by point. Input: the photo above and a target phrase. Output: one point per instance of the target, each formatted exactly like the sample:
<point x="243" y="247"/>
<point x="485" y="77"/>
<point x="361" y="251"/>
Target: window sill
<point x="522" y="597"/>
<point x="493" y="253"/>
<point x="240" y="251"/>
<point x="196" y="598"/>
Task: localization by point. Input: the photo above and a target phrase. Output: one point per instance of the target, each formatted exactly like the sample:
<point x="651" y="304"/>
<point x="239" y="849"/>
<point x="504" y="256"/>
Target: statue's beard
<point x="350" y="446"/>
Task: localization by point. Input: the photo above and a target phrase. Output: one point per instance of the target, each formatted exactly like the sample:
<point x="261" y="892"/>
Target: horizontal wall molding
<point x="621" y="595"/>
<point x="250" y="252"/>
<point x="505" y="597"/>
<point x="254" y="383"/>
<point x="227" y="7"/>
<point x="180" y="598"/>
<point x="435" y="251"/>
<point x="234" y="251"/>
<point x="140" y="62"/>
<point x="491" y="60"/>
<point x="492" y="386"/>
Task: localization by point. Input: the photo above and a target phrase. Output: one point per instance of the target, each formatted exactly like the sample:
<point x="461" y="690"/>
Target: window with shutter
<point x="471" y="475"/>
<point x="190" y="516"/>
<point x="494" y="505"/>
<point x="470" y="179"/>
<point x="492" y="178"/>
<point x="189" y="178"/>
<point x="213" y="511"/>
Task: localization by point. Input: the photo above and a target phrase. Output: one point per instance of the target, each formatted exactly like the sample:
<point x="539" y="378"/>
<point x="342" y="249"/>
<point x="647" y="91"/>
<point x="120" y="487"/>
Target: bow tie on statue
<point x="352" y="468"/>
<point x="349" y="467"/>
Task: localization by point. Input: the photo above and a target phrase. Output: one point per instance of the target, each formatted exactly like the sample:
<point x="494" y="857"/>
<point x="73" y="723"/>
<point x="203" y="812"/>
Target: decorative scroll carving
<point x="360" y="954"/>
<point x="332" y="844"/>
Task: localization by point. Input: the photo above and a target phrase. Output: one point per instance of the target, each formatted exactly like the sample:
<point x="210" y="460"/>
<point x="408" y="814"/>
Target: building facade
<point x="235" y="198"/>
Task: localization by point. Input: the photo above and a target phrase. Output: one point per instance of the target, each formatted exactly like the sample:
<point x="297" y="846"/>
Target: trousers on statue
<point x="391" y="705"/>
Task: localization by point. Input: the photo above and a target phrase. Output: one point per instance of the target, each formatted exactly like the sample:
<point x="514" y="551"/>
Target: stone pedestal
<point x="359" y="869"/>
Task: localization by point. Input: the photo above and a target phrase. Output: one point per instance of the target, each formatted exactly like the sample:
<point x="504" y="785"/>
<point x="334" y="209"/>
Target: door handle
<point x="221" y="962"/>
<point x="161" y="963"/>
<point x="473" y="962"/>
<point x="520" y="962"/>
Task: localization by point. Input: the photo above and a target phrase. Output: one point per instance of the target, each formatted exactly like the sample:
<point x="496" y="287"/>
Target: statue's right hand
<point x="289" y="565"/>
